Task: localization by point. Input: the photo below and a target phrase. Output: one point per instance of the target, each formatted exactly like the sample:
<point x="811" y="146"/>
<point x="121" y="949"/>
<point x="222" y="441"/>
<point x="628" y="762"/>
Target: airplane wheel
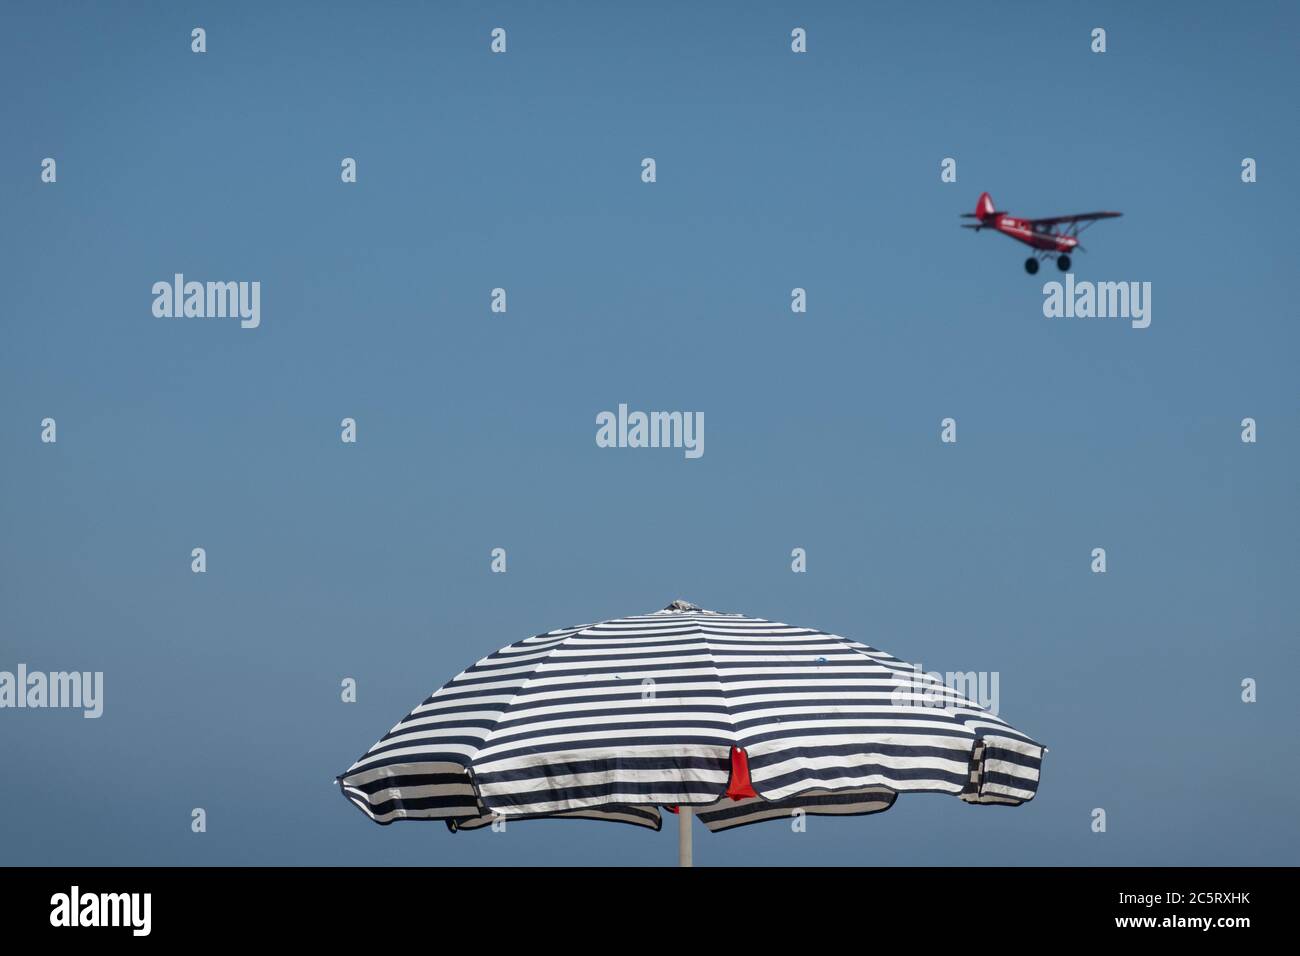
<point x="1063" y="263"/>
<point x="1031" y="265"/>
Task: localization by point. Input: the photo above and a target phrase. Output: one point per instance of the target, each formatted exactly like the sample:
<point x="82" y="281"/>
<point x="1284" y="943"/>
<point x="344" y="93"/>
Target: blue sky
<point x="477" y="430"/>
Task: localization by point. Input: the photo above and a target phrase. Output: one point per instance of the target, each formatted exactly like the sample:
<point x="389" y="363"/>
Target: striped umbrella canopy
<point x="735" y="718"/>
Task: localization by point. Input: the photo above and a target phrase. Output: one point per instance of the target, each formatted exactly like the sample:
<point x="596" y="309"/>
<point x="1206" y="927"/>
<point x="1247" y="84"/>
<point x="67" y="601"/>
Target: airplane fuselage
<point x="1023" y="230"/>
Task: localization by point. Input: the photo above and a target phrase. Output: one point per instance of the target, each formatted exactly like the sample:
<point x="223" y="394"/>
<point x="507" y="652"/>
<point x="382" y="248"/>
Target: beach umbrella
<point x="729" y="718"/>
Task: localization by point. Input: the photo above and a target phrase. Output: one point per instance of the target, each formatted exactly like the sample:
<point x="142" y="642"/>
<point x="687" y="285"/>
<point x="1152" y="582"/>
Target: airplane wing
<point x="1078" y="217"/>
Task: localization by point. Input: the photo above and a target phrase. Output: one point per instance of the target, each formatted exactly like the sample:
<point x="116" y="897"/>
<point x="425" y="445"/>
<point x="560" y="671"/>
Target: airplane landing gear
<point x="1031" y="265"/>
<point x="1063" y="262"/>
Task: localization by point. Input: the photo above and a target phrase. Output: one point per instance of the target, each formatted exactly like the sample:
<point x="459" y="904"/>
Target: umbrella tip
<point x="680" y="605"/>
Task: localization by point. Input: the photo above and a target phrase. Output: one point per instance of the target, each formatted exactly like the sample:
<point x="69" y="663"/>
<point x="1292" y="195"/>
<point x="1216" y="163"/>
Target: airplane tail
<point x="984" y="207"/>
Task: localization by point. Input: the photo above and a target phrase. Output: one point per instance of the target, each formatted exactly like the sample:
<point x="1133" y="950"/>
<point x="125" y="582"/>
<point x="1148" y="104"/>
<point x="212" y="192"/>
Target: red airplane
<point x="1038" y="233"/>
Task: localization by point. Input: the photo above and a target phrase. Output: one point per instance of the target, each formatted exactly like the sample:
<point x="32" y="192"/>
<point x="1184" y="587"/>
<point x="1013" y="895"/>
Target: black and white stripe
<point x="616" y="719"/>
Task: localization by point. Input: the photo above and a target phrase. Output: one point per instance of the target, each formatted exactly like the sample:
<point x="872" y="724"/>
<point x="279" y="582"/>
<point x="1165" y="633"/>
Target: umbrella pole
<point x="684" y="816"/>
